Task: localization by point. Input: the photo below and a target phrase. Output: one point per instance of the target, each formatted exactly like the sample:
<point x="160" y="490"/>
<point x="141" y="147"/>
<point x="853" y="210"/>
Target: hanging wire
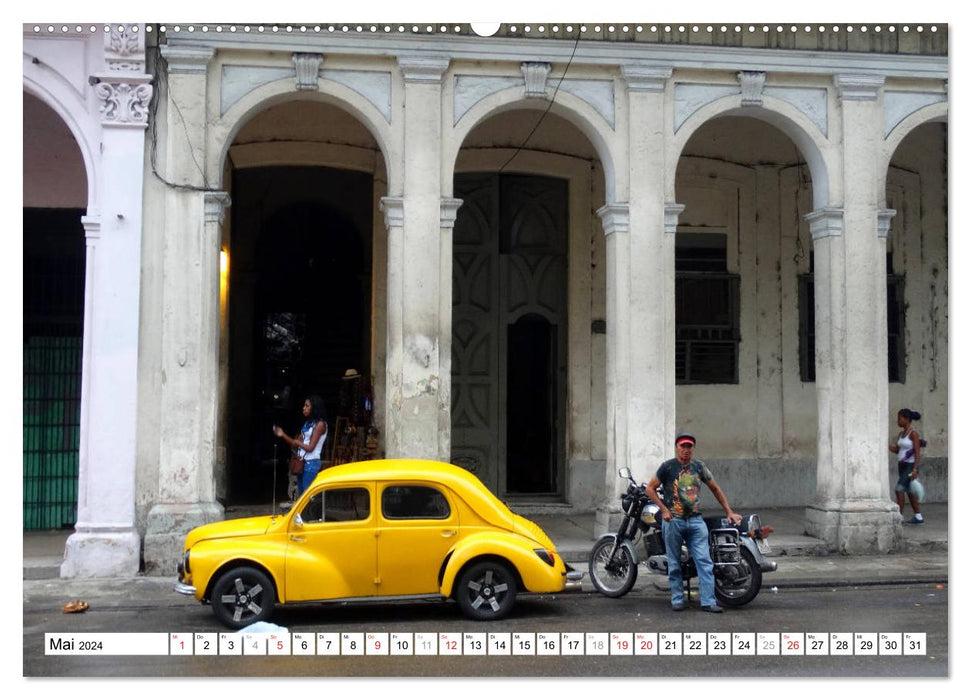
<point x="576" y="43"/>
<point x="162" y="81"/>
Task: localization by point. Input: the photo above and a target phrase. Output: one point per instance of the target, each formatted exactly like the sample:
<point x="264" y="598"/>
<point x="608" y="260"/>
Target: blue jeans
<point x="310" y="470"/>
<point x="694" y="532"/>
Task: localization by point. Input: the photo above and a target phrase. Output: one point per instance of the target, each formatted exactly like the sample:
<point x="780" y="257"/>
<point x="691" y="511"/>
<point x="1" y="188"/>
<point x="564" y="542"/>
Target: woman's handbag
<point x="917" y="489"/>
<point x="296" y="465"/>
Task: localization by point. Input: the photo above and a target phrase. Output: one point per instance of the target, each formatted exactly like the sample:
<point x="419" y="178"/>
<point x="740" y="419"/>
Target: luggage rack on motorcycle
<point x="724" y="546"/>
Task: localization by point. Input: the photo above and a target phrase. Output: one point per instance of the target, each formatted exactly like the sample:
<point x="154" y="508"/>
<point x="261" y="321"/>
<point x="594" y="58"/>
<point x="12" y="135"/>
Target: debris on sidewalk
<point x="75" y="606"/>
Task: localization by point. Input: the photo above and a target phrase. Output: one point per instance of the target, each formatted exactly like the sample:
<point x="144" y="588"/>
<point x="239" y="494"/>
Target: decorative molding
<point x="641" y="78"/>
<point x="449" y="212"/>
<point x="216" y="204"/>
<point x="472" y="89"/>
<point x="92" y="228"/>
<point x="599" y="94"/>
<point x="125" y="49"/>
<point x="423" y="69"/>
<point x="671" y="214"/>
<point x="124" y="104"/>
<point x="615" y="218"/>
<point x="187" y="59"/>
<point x="825" y="222"/>
<point x="898" y="105"/>
<point x="393" y="209"/>
<point x="752" y="83"/>
<point x="307" y="65"/>
<point x="536" y="74"/>
<point x="690" y="97"/>
<point x="884" y="217"/>
<point x="858" y="88"/>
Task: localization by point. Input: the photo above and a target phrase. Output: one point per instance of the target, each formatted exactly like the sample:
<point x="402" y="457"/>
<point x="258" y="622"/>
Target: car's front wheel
<point x="486" y="590"/>
<point x="242" y="596"/>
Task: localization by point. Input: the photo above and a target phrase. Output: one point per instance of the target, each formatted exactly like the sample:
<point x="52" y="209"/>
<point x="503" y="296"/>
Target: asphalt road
<point x="903" y="609"/>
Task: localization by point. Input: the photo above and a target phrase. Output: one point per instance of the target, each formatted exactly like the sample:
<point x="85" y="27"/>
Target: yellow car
<point x="375" y="531"/>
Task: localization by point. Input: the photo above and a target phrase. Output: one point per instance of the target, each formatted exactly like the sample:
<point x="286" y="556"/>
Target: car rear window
<point x="337" y="505"/>
<point x="414" y="503"/>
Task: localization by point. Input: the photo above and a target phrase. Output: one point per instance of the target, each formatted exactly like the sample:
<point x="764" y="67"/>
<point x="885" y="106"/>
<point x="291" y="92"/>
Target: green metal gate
<point x="53" y="326"/>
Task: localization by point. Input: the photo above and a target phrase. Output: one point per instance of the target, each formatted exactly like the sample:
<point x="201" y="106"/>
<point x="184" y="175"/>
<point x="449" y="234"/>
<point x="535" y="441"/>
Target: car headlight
<point x="185" y="562"/>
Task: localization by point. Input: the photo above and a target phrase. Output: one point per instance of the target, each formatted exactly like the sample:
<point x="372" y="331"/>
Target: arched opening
<point x="743" y="318"/>
<point x="523" y="372"/>
<point x="55" y="197"/>
<point x="300" y="250"/>
<point x="917" y="261"/>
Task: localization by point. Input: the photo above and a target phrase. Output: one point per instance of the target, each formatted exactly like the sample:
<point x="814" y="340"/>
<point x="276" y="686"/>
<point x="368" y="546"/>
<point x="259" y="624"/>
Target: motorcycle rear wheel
<point x="612" y="578"/>
<point x="737" y="585"/>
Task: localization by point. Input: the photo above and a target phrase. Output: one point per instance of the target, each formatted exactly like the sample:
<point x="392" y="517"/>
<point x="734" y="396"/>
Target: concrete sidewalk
<point x="802" y="560"/>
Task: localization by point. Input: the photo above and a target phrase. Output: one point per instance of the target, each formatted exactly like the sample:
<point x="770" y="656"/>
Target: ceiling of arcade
<point x="306" y="122"/>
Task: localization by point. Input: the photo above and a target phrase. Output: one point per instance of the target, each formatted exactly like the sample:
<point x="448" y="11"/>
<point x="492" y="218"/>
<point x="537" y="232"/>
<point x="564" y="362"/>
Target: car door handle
<point x="295" y="538"/>
<point x="448" y="533"/>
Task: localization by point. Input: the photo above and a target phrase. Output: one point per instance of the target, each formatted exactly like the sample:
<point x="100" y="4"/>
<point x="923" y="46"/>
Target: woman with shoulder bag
<point x="907" y="449"/>
<point x="310" y="443"/>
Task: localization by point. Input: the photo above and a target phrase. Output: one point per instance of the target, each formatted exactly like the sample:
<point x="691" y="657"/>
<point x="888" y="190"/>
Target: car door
<point x="418" y="523"/>
<point x="331" y="551"/>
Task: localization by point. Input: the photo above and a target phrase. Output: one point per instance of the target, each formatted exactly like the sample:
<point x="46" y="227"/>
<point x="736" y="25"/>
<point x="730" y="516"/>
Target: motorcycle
<point x="738" y="552"/>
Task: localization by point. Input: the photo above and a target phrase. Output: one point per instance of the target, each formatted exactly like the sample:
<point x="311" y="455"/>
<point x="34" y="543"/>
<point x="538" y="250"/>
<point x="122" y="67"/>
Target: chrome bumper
<point x="185" y="589"/>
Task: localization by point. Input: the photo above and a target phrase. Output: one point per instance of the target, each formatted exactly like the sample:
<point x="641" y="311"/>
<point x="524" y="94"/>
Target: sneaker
<point x="712" y="608"/>
<point x="914" y="521"/>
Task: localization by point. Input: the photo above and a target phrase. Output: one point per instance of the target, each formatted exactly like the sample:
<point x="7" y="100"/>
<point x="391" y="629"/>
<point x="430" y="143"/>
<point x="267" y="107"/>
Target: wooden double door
<point x="509" y="331"/>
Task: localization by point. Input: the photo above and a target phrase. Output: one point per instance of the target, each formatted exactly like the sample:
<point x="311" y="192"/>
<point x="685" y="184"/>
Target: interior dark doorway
<point x="300" y="309"/>
<point x="54" y="272"/>
<point x="509" y="330"/>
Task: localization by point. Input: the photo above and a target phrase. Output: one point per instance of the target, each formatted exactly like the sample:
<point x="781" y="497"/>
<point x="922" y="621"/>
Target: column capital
<point x="393" y="209"/>
<point x="752" y="83"/>
<point x="307" y="65"/>
<point x="423" y="69"/>
<point x="858" y="88"/>
<point x="645" y="78"/>
<point x="187" y="59"/>
<point x="449" y="211"/>
<point x="92" y="227"/>
<point x="825" y="222"/>
<point x="671" y="214"/>
<point x="884" y="216"/>
<point x="615" y="218"/>
<point x="216" y="205"/>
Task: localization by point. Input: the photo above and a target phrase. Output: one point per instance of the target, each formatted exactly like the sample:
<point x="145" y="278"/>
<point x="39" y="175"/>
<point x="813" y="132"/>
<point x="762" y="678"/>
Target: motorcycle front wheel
<point x="612" y="577"/>
<point x="738" y="584"/>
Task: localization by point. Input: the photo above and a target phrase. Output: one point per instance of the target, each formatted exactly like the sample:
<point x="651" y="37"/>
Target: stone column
<point x="418" y="414"/>
<point x="852" y="511"/>
<point x="190" y="320"/>
<point x="640" y="298"/>
<point x="105" y="541"/>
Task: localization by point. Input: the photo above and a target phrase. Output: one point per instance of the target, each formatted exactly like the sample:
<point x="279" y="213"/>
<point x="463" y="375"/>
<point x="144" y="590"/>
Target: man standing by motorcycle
<point x="681" y="479"/>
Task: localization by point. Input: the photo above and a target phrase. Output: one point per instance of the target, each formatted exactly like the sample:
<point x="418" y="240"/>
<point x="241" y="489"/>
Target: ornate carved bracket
<point x="536" y="74"/>
<point x="216" y="204"/>
<point x="307" y="66"/>
<point x="393" y="209"/>
<point x="752" y="83"/>
<point x="124" y="104"/>
<point x="884" y="217"/>
<point x="125" y="49"/>
<point x="449" y="212"/>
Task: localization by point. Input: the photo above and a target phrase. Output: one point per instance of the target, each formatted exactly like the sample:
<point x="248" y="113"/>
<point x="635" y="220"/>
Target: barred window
<point x="706" y="311"/>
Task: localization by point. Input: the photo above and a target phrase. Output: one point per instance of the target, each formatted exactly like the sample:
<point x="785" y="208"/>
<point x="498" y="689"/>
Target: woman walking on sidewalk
<point x="907" y="449"/>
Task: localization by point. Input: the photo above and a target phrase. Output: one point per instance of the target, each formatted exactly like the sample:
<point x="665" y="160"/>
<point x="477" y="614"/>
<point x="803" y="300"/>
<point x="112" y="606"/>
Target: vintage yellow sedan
<point x="375" y="531"/>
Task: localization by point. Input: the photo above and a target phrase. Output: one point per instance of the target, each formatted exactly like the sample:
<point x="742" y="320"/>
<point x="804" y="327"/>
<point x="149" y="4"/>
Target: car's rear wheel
<point x="486" y="590"/>
<point x="242" y="596"/>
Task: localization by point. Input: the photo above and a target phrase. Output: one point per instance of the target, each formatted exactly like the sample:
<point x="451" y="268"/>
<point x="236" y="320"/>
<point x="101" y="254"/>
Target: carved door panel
<point x="509" y="331"/>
